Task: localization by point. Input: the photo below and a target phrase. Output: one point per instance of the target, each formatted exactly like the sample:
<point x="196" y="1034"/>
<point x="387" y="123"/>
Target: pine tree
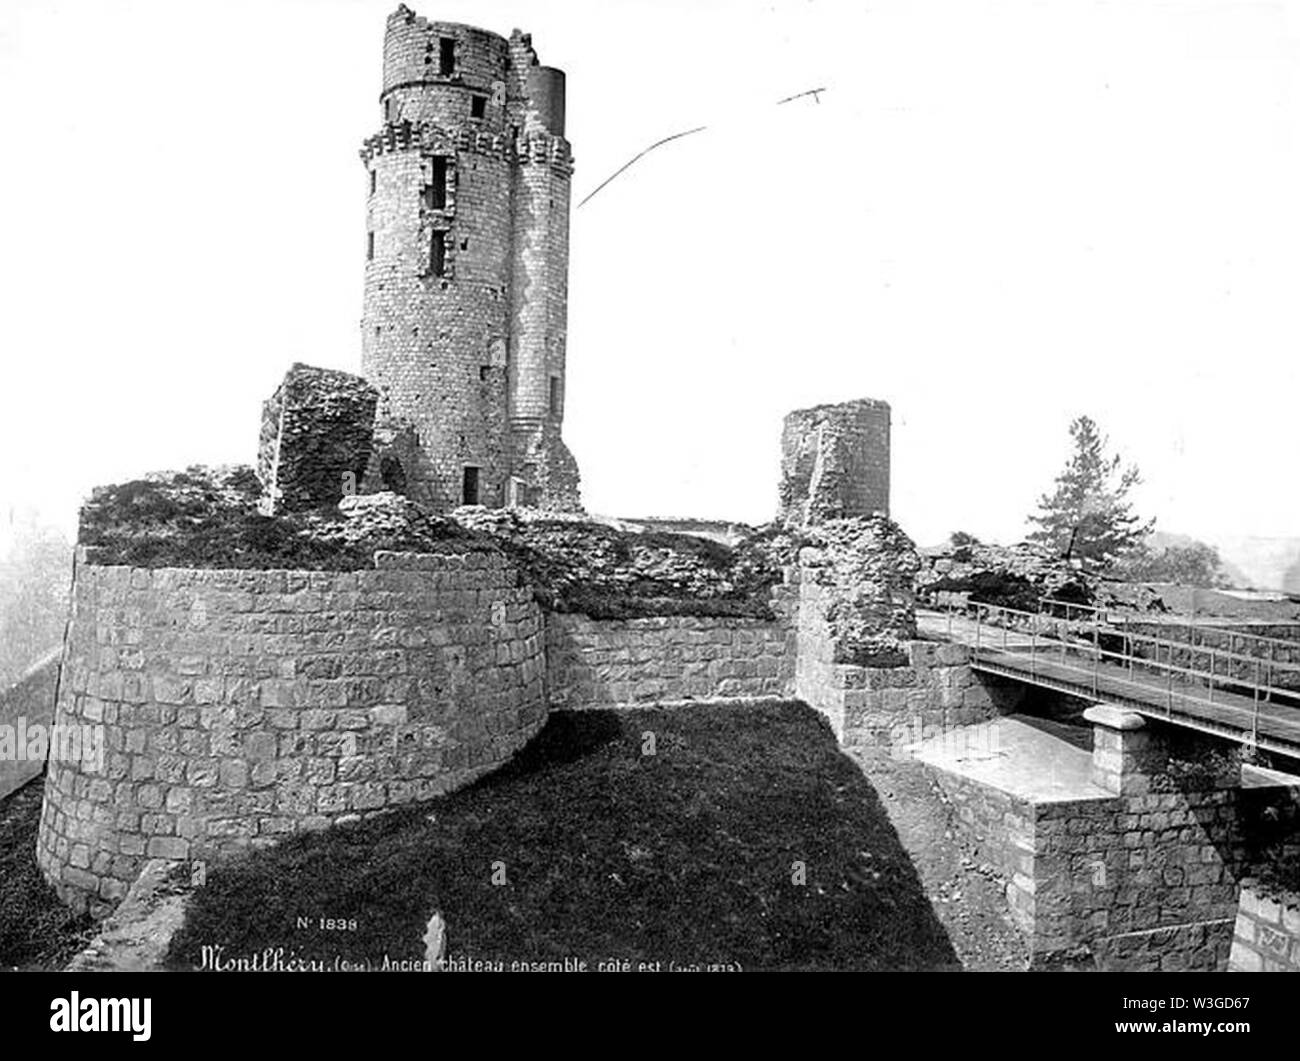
<point x="1088" y="515"/>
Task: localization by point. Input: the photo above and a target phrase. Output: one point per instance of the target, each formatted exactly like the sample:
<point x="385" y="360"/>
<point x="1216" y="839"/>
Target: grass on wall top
<point x="209" y="518"/>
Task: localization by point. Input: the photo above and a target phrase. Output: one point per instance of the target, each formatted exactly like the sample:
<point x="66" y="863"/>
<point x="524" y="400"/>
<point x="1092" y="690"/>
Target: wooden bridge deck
<point x="1077" y="669"/>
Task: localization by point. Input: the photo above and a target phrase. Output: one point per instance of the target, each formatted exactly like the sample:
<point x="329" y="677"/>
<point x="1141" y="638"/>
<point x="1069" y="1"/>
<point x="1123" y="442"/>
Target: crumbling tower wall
<point x="539" y="289"/>
<point x="316" y="438"/>
<point x="835" y="462"/>
<point x="463" y="326"/>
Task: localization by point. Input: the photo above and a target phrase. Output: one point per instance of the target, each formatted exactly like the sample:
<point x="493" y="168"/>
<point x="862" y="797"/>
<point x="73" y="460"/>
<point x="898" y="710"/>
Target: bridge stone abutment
<point x="1132" y="758"/>
<point x="1130" y="855"/>
<point x="1143" y="878"/>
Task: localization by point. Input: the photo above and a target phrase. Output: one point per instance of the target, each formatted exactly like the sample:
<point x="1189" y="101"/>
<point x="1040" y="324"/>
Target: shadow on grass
<point x="718" y="835"/>
<point x="36" y="930"/>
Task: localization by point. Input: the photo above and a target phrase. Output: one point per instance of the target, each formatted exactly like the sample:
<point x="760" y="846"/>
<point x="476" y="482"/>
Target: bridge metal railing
<point x="1083" y="650"/>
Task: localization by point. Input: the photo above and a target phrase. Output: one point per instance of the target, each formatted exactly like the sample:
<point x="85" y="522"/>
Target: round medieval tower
<point x="463" y="326"/>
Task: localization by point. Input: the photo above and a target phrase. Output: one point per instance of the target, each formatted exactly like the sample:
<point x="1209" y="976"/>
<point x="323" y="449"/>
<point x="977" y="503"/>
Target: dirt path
<point x="967" y="895"/>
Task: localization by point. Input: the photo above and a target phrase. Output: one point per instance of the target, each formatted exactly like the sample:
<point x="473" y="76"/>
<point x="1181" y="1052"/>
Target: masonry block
<point x="316" y="437"/>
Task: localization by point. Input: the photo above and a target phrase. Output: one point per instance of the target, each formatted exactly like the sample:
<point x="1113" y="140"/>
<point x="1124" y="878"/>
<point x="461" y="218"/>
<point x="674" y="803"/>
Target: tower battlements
<point x="465" y="311"/>
<point x="403" y="136"/>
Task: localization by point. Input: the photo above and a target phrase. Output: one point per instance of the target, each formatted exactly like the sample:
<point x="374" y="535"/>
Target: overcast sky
<point x="999" y="216"/>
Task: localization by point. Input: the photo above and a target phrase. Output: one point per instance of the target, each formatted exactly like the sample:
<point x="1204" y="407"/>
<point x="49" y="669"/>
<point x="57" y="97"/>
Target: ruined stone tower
<point x="467" y="258"/>
<point x="835" y="462"/>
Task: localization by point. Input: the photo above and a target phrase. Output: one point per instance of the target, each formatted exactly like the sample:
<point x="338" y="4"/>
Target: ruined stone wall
<point x="398" y="464"/>
<point x="934" y="692"/>
<point x="316" y="433"/>
<point x="835" y="462"/>
<point x="858" y="658"/>
<point x="416" y="90"/>
<point x="1266" y="933"/>
<point x="856" y="578"/>
<point x="241" y="706"/>
<point x="547" y="469"/>
<point x="632" y="662"/>
<point x="29" y="701"/>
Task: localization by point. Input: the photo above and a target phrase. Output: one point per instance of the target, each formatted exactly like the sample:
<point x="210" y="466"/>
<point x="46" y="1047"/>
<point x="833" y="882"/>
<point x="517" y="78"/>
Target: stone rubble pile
<point x="584" y="564"/>
<point x="388" y="515"/>
<point x="1016" y="576"/>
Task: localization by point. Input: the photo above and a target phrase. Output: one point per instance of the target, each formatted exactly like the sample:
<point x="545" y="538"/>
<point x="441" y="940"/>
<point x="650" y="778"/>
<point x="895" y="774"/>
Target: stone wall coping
<point x="1112" y="717"/>
<point x="383" y="560"/>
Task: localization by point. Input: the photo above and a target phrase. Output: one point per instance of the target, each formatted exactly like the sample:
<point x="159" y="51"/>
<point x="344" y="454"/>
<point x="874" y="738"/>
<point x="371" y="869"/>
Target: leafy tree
<point x="1190" y="564"/>
<point x="1088" y="515"/>
<point x="962" y="546"/>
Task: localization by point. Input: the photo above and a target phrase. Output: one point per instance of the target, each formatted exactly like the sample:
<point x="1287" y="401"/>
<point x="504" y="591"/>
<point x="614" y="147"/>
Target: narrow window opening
<point x="373" y="179"/>
<point x="435" y="192"/>
<point x="446" y="55"/>
<point x="484" y="372"/>
<point x="390" y="110"/>
<point x="438" y="254"/>
<point x="469" y="486"/>
<point x="478" y="106"/>
<point x="555" y="396"/>
<point x="370" y="246"/>
<point x="464" y="244"/>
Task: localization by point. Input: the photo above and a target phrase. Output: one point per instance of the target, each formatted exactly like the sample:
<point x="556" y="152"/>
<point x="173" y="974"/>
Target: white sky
<point x="999" y="216"/>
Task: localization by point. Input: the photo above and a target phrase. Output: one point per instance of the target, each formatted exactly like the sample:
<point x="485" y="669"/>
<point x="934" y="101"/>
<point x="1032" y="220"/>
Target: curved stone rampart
<point x="240" y="706"/>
